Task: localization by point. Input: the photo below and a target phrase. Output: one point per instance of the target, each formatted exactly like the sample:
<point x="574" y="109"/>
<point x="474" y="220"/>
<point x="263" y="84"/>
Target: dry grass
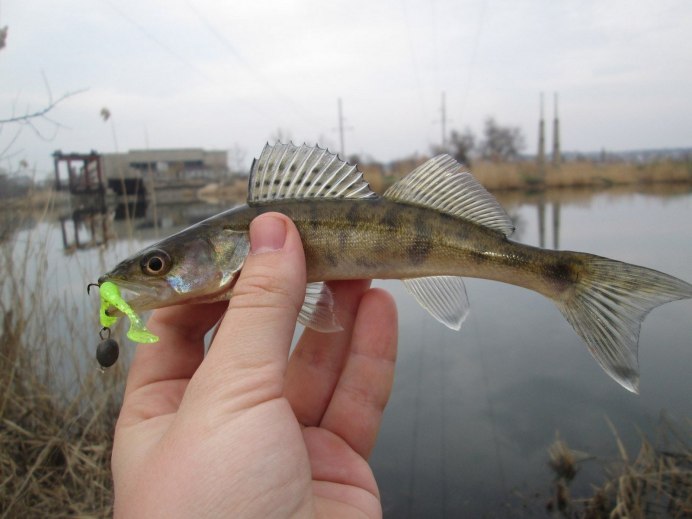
<point x="55" y="431"/>
<point x="525" y="175"/>
<point x="656" y="483"/>
<point x="508" y="176"/>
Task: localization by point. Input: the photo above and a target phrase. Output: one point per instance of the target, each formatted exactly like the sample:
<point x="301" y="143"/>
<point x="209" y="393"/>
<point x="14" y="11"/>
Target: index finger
<point x="361" y="394"/>
<point x="318" y="359"/>
<point x="180" y="350"/>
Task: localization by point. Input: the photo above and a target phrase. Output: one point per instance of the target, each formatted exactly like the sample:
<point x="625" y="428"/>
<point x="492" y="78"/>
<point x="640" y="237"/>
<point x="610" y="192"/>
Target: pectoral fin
<point x="318" y="309"/>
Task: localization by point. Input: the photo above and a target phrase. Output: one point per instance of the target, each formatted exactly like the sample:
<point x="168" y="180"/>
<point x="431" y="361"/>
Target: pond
<point x="473" y="412"/>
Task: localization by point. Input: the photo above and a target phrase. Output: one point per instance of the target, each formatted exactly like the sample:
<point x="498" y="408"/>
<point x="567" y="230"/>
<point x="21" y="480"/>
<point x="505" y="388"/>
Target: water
<point x="472" y="413"/>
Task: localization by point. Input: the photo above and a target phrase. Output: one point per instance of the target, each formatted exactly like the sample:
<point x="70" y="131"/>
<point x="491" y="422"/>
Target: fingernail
<point x="267" y="234"/>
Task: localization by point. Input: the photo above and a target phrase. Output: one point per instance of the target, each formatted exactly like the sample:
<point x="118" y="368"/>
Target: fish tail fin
<point x="606" y="305"/>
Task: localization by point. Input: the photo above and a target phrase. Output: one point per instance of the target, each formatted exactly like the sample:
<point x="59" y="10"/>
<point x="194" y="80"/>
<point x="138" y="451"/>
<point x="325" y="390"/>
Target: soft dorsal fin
<point x="442" y="183"/>
<point x="287" y="171"/>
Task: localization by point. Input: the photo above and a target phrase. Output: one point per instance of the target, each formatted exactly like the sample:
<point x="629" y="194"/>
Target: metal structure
<point x="84" y="173"/>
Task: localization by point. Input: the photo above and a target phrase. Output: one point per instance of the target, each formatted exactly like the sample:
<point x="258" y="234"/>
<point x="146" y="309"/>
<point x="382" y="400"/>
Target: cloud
<point x="214" y="73"/>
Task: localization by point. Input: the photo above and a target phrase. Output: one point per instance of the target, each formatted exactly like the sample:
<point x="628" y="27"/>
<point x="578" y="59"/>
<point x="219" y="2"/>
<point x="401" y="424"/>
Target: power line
<point x="436" y="59"/>
<point x="412" y="53"/>
<point x="177" y="56"/>
<point x="158" y="42"/>
<point x="261" y="78"/>
<point x="472" y="64"/>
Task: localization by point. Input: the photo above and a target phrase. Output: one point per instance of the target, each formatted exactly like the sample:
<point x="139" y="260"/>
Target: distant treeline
<point x="14" y="186"/>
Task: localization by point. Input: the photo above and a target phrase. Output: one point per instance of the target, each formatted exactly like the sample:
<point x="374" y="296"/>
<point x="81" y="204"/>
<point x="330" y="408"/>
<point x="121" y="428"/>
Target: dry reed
<point x="55" y="441"/>
<point x="55" y="429"/>
<point x="656" y="483"/>
<point x="526" y="176"/>
<point x="510" y="176"/>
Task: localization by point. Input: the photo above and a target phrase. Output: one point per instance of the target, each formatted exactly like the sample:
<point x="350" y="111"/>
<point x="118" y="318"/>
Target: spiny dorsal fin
<point x="287" y="171"/>
<point x="442" y="183"/>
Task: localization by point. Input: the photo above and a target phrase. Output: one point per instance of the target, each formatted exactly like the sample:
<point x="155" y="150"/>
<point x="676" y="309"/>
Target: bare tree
<point x="281" y="135"/>
<point x="460" y="145"/>
<point x="236" y="159"/>
<point x="501" y="142"/>
<point x="37" y="120"/>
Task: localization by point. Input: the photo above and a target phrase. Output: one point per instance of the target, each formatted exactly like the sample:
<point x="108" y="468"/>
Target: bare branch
<point x="4" y="152"/>
<point x="42" y="112"/>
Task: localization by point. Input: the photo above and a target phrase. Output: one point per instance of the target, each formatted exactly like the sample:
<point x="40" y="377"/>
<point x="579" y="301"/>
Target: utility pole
<point x="540" y="158"/>
<point x="443" y="121"/>
<point x="557" y="157"/>
<point x="341" y="129"/>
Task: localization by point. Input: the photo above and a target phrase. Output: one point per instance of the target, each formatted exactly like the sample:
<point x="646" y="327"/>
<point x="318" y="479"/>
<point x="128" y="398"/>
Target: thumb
<point x="254" y="338"/>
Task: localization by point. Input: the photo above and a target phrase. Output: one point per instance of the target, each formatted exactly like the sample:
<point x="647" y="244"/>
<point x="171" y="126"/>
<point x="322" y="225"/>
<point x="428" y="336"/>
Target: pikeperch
<point x="429" y="229"/>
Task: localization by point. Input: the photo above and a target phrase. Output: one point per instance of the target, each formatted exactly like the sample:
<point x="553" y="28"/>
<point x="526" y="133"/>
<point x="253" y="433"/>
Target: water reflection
<point x="95" y="226"/>
<point x="555" y="212"/>
<point x="85" y="228"/>
<point x="473" y="412"/>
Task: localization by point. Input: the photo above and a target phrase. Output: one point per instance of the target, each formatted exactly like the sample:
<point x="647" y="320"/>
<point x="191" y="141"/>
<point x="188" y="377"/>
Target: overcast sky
<point x="225" y="74"/>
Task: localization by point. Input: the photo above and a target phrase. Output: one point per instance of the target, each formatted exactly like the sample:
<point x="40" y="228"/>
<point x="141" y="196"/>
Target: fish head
<point x="199" y="264"/>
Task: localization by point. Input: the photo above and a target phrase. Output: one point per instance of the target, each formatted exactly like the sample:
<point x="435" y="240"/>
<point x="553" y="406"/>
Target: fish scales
<point x="381" y="239"/>
<point x="430" y="229"/>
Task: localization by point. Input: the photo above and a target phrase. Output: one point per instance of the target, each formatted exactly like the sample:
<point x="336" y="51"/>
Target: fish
<point x="430" y="229"/>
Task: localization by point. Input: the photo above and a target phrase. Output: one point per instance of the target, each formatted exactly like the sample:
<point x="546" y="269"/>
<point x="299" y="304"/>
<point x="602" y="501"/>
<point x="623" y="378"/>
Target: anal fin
<point x="444" y="297"/>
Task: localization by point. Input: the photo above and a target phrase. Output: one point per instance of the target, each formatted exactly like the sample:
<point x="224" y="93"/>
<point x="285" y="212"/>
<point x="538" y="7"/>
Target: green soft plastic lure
<point x="110" y="296"/>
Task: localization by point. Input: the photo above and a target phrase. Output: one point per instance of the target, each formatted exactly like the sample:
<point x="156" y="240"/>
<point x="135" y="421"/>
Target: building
<point x="139" y="172"/>
<point x="165" y="167"/>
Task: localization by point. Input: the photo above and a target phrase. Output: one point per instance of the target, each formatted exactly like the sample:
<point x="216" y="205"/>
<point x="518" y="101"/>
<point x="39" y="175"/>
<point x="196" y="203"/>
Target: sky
<point x="222" y="74"/>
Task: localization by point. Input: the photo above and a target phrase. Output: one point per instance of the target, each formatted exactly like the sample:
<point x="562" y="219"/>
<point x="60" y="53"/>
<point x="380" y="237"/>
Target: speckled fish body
<point x="381" y="239"/>
<point x="430" y="229"/>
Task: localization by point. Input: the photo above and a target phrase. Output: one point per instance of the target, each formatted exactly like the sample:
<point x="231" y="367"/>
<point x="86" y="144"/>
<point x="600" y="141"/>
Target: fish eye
<point x="156" y="263"/>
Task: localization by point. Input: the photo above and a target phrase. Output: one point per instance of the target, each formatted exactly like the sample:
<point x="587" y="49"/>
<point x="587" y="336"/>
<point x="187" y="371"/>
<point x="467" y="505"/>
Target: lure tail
<point x="606" y="306"/>
<point x="110" y="296"/>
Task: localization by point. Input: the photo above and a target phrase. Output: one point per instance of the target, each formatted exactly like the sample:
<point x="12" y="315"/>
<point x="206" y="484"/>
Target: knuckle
<point x="363" y="397"/>
<point x="260" y="289"/>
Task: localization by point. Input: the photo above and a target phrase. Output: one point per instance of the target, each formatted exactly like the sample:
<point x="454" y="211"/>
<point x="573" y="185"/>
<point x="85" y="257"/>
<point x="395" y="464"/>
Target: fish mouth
<point x="142" y="298"/>
<point x="138" y="296"/>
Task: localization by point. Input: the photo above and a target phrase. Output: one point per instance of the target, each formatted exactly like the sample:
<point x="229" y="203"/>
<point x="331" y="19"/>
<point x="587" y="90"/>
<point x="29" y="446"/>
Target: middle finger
<point x="315" y="366"/>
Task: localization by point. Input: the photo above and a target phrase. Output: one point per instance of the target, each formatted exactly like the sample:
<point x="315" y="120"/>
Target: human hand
<point x="247" y="431"/>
